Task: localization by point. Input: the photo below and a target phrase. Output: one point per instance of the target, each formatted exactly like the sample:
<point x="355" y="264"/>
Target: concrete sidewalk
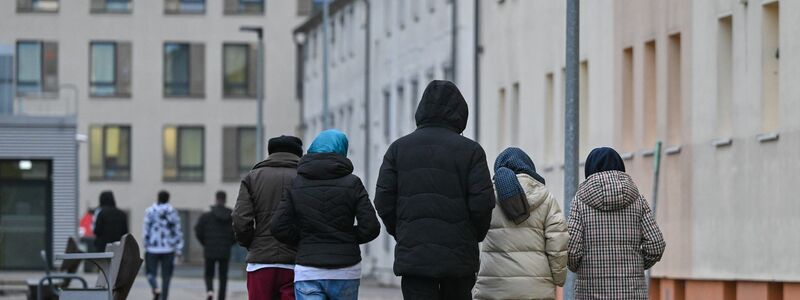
<point x="12" y="288"/>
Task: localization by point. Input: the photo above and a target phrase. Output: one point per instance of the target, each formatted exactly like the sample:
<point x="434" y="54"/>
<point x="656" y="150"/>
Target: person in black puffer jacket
<point x="110" y="223"/>
<point x="214" y="230"/>
<point x="317" y="214"/>
<point x="435" y="197"/>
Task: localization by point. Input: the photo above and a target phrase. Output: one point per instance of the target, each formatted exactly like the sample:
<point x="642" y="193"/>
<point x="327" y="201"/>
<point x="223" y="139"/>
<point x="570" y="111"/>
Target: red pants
<point x="270" y="283"/>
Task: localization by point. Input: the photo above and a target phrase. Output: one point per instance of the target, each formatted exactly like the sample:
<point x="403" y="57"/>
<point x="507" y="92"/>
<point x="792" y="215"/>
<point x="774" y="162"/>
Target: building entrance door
<point x="25" y="213"/>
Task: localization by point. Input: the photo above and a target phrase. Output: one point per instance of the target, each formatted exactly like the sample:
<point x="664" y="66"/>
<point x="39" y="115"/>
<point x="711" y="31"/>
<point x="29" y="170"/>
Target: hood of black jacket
<point x="322" y="166"/>
<point x="221" y="213"/>
<point x="442" y="105"/>
<point x="279" y="160"/>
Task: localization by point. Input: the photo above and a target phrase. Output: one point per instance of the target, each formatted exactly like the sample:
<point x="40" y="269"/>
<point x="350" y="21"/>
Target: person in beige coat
<point x="524" y="256"/>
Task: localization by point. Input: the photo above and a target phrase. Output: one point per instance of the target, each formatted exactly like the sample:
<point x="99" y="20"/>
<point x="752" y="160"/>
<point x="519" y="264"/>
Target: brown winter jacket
<point x="613" y="238"/>
<point x="259" y="194"/>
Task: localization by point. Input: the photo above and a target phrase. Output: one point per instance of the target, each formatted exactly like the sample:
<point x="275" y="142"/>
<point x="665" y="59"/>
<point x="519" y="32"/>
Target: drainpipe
<point x="367" y="119"/>
<point x="478" y="50"/>
<point x="454" y="40"/>
<point x="571" y="117"/>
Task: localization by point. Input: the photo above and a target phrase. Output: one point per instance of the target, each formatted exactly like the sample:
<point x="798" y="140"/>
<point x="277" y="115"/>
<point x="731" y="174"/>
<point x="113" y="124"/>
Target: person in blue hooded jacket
<point x="317" y="214"/>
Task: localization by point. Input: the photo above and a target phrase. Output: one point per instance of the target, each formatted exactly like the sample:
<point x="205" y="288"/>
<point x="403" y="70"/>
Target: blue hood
<point x="330" y="141"/>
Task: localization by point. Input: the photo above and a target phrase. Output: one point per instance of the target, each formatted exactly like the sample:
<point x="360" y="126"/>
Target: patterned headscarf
<point x="510" y="195"/>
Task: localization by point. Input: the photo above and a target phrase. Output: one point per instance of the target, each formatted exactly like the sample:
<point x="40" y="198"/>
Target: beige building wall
<point x="147" y="111"/>
<point x="711" y="80"/>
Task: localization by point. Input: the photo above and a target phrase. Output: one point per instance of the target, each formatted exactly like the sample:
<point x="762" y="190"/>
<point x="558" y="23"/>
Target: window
<point x="513" y="117"/>
<point x="244" y="7"/>
<point x="401" y="14"/>
<point x="770" y="55"/>
<point x="110" y="6"/>
<point x="184" y="69"/>
<point x="401" y="100"/>
<point x="304" y="7"/>
<point x="387" y="115"/>
<point x="501" y="120"/>
<point x="583" y="112"/>
<point x="37" y="6"/>
<point x="185" y="6"/>
<point x="110" y="71"/>
<point x="650" y="118"/>
<point x="238" y="152"/>
<point x="109" y="152"/>
<point x="37" y="67"/>
<point x="628" y="140"/>
<point x="415" y="96"/>
<point x="549" y="120"/>
<point x="674" y="91"/>
<point x="239" y="76"/>
<point x="183" y="153"/>
<point x="724" y="76"/>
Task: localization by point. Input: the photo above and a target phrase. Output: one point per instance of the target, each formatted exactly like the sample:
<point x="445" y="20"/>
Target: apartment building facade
<point x="382" y="54"/>
<point x="707" y="79"/>
<point x="165" y="89"/>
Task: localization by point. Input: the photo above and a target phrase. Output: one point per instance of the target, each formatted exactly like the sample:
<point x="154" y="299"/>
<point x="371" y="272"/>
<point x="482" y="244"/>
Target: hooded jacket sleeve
<point x="368" y="226"/>
<point x="556" y="240"/>
<point x="575" y="237"/>
<point x="480" y="197"/>
<point x="244" y="215"/>
<point x="284" y="222"/>
<point x="653" y="244"/>
<point x="386" y="192"/>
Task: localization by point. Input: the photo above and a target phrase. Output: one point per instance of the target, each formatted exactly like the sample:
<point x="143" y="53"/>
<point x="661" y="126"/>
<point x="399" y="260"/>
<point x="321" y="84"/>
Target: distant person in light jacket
<point x="524" y="255"/>
<point x="163" y="240"/>
<point x="614" y="237"/>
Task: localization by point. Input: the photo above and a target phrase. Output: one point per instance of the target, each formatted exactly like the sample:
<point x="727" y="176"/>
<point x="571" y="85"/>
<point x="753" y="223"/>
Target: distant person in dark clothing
<point x="214" y="230"/>
<point x="163" y="240"/>
<point x="435" y="197"/>
<point x="110" y="223"/>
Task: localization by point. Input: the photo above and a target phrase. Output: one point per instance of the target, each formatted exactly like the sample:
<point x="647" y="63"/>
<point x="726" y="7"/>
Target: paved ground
<point x="181" y="288"/>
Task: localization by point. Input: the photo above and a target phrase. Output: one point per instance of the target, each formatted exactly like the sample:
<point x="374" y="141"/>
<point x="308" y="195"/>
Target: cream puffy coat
<point x="525" y="261"/>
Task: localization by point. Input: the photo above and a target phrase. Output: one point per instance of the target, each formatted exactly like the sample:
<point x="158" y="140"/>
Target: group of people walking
<point x="460" y="233"/>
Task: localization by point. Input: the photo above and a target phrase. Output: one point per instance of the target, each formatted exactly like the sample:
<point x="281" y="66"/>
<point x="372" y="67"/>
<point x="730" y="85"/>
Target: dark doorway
<point x="26" y="202"/>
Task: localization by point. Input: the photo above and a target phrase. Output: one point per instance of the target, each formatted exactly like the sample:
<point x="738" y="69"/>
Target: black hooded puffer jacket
<point x="214" y="230"/>
<point x="318" y="212"/>
<point x="434" y="192"/>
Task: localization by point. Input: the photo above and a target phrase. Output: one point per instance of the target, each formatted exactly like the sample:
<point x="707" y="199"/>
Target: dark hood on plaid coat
<point x="613" y="238"/>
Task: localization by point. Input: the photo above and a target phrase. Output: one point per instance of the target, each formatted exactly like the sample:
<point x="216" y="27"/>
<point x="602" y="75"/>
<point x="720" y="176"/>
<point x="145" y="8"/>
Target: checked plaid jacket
<point x="613" y="238"/>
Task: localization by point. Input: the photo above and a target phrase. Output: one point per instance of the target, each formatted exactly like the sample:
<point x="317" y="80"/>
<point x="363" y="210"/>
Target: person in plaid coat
<point x="613" y="235"/>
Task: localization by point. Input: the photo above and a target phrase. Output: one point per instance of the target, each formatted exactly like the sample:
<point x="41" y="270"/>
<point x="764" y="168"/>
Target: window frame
<point x="248" y="65"/>
<point x="242" y="8"/>
<point x="114" y="81"/>
<point x="34" y="10"/>
<point x="180" y="10"/>
<point x="106" y="10"/>
<point x="178" y="145"/>
<point x="236" y="158"/>
<point x="17" y="81"/>
<point x="166" y="85"/>
<point x="104" y="166"/>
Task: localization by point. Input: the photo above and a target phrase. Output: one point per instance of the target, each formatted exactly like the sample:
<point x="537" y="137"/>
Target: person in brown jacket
<point x="270" y="263"/>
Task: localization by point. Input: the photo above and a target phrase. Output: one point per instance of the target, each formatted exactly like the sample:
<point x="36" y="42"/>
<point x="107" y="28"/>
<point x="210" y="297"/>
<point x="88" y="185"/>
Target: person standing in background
<point x="163" y="240"/>
<point x="215" y="233"/>
<point x="270" y="263"/>
<point x="110" y="223"/>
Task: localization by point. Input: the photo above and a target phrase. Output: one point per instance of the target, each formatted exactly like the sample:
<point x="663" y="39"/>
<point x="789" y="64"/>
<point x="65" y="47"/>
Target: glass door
<point x="25" y="210"/>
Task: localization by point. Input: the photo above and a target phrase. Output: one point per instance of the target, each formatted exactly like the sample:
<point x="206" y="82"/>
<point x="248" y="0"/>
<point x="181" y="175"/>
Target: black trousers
<point x="424" y="288"/>
<point x="151" y="263"/>
<point x="222" y="266"/>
